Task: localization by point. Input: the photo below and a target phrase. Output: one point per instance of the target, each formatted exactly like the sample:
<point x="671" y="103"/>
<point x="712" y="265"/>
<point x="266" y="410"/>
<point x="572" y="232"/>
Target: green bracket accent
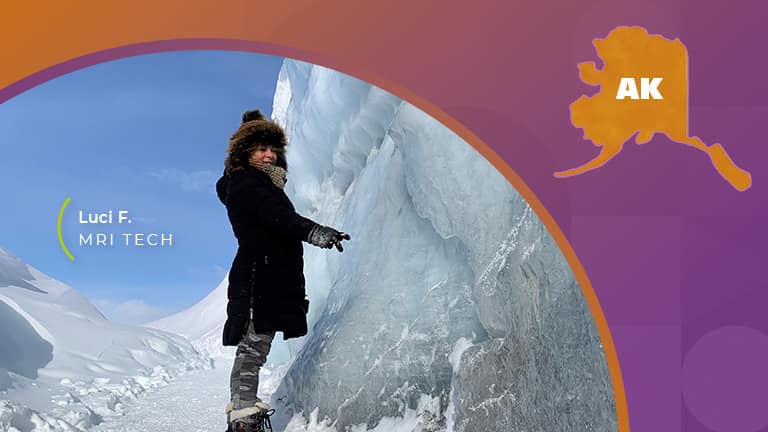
<point x="58" y="229"/>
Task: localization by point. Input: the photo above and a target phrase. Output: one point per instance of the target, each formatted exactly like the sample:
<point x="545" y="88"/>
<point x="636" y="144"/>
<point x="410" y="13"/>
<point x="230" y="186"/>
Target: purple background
<point x="674" y="253"/>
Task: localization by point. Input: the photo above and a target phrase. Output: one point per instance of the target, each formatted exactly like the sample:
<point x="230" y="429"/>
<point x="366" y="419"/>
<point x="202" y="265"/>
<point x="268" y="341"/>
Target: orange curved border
<point x="447" y="120"/>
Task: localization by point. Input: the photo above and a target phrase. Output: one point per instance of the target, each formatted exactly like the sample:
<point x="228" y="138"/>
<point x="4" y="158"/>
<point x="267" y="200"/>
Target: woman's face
<point x="264" y="154"/>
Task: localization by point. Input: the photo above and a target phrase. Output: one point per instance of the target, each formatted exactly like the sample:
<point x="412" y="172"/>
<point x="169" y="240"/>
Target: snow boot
<point x="251" y="419"/>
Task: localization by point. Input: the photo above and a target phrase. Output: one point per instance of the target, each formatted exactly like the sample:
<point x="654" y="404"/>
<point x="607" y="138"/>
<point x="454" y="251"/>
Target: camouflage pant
<point x="250" y="356"/>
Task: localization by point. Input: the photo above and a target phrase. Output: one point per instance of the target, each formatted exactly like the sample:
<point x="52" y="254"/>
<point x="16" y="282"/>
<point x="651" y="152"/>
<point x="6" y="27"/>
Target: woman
<point x="266" y="282"/>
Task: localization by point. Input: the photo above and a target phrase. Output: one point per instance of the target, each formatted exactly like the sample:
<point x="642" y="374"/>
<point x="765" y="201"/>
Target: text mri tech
<point x="128" y="239"/>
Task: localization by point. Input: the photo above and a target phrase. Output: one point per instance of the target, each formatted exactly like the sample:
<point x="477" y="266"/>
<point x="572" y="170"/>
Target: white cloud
<point x="130" y="312"/>
<point x="193" y="181"/>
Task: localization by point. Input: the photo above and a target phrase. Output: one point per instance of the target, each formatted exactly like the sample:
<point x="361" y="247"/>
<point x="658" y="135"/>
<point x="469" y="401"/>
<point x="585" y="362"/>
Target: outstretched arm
<point x="255" y="197"/>
<point x="259" y="199"/>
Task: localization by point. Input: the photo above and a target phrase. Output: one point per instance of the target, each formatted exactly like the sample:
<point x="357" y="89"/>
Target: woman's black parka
<point x="267" y="273"/>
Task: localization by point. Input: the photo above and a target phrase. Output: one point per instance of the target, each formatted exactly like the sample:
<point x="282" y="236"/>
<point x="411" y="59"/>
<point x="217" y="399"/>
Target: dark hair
<point x="253" y="131"/>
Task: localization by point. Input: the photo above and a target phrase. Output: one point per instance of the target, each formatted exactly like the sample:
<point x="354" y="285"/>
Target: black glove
<point x="327" y="237"/>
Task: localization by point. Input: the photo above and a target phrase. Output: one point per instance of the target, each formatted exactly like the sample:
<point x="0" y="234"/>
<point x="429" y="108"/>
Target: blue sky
<point x="145" y="134"/>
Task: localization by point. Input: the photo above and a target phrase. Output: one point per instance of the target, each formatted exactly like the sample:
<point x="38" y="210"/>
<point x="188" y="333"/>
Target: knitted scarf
<point x="278" y="175"/>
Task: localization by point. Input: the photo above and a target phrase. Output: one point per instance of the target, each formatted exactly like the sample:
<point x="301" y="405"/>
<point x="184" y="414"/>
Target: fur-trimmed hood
<point x="255" y="130"/>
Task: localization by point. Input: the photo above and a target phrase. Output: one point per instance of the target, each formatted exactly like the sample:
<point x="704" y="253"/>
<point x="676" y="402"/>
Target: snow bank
<point x="63" y="366"/>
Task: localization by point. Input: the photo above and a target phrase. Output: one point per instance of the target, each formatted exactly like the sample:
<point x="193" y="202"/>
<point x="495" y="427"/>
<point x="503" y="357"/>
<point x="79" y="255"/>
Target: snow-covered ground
<point x="193" y="403"/>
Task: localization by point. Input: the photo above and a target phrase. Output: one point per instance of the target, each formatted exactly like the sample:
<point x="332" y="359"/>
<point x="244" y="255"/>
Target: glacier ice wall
<point x="451" y="287"/>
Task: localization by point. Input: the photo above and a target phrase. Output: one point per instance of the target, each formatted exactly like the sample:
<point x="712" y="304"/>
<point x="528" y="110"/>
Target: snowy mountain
<point x="202" y="324"/>
<point x="63" y="365"/>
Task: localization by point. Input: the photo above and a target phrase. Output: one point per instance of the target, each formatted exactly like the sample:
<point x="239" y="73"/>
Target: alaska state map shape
<point x="609" y="122"/>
